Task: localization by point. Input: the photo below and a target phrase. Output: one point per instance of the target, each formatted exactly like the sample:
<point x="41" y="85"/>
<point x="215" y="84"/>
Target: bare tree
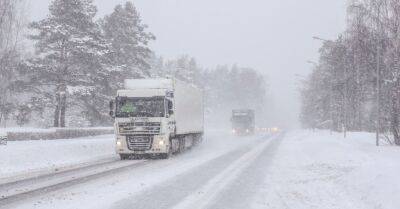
<point x="11" y="24"/>
<point x="368" y="54"/>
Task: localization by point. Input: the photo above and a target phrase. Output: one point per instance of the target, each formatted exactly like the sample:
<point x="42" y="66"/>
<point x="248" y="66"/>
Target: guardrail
<point x="54" y="134"/>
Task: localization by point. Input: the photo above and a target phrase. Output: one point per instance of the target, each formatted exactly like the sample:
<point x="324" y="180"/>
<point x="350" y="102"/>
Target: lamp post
<point x="344" y="93"/>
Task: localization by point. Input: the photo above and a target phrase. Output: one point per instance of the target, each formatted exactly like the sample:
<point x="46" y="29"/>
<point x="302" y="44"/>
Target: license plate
<point x="139" y="139"/>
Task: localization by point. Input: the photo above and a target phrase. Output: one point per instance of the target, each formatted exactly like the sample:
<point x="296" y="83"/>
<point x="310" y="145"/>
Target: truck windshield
<point x="241" y="119"/>
<point x="140" y="107"/>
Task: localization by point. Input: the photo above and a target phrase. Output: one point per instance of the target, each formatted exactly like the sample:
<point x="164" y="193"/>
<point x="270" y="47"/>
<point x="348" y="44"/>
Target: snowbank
<point x="319" y="170"/>
<point x="23" y="157"/>
<point x="20" y="134"/>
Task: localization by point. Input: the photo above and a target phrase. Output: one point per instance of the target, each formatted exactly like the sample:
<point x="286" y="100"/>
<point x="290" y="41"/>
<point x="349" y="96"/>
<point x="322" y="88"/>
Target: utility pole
<point x="378" y="78"/>
<point x="345" y="93"/>
<point x="331" y="97"/>
<point x="378" y="93"/>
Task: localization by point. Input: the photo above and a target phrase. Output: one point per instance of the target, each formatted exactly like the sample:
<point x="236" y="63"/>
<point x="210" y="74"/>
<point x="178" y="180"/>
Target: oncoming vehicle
<point x="157" y="117"/>
<point x="243" y="122"/>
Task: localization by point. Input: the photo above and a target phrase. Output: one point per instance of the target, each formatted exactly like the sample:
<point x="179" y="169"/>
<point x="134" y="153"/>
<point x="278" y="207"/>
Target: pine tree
<point x="129" y="40"/>
<point x="184" y="68"/>
<point x="70" y="52"/>
<point x="157" y="66"/>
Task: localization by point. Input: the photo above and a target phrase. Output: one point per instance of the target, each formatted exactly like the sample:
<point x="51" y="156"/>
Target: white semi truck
<point x="157" y="117"/>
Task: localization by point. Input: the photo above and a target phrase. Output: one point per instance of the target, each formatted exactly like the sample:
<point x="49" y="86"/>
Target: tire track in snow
<point x="240" y="193"/>
<point x="204" y="196"/>
<point x="171" y="192"/>
<point x="20" y="190"/>
<point x="26" y="178"/>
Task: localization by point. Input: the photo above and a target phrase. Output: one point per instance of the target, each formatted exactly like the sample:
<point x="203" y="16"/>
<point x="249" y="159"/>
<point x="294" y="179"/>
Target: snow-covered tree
<point x="157" y="66"/>
<point x="184" y="68"/>
<point x="235" y="88"/>
<point x="70" y="53"/>
<point x="11" y="22"/>
<point x="359" y="73"/>
<point x="129" y="40"/>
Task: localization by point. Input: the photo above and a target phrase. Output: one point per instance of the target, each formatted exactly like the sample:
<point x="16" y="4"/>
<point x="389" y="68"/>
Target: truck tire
<point x="182" y="142"/>
<point x="123" y="156"/>
<point x="198" y="139"/>
<point x="165" y="156"/>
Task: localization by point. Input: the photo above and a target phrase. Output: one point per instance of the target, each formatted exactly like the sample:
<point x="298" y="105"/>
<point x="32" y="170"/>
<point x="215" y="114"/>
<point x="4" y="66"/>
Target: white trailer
<point x="157" y="117"/>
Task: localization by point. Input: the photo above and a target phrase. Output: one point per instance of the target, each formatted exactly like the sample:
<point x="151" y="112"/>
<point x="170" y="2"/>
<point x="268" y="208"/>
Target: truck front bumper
<point x="159" y="145"/>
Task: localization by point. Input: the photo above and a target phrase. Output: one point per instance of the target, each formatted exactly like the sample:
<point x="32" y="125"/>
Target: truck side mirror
<point x="170" y="108"/>
<point x="112" y="108"/>
<point x="112" y="114"/>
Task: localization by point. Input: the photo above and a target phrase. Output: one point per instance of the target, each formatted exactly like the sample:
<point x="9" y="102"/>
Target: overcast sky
<point x="272" y="36"/>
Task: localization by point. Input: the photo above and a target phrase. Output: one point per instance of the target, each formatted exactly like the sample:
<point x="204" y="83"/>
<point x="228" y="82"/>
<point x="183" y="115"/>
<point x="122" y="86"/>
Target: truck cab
<point x="243" y="122"/>
<point x="145" y="119"/>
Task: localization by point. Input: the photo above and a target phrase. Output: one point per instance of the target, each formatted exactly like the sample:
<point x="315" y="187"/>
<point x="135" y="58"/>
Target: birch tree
<point x="11" y="22"/>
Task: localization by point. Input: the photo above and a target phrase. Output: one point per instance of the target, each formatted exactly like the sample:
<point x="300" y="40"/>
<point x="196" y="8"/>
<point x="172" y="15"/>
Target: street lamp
<point x="312" y="62"/>
<point x="321" y="39"/>
<point x="345" y="90"/>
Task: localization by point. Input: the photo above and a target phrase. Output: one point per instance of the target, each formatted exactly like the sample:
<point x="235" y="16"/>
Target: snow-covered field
<point x="300" y="170"/>
<point x="22" y="158"/>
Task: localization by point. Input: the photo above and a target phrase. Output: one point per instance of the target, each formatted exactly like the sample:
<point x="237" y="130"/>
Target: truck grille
<point x="140" y="128"/>
<point x="139" y="143"/>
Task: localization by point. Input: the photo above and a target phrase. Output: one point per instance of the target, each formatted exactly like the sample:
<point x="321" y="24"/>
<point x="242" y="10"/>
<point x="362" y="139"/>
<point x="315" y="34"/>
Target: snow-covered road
<point x="298" y="169"/>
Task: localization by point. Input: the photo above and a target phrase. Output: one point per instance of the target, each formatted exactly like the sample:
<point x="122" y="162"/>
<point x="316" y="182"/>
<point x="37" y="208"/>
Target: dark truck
<point x="243" y="122"/>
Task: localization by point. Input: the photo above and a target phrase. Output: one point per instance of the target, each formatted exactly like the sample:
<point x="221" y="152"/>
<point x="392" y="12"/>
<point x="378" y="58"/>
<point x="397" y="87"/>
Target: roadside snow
<point x="28" y="157"/>
<point x="319" y="170"/>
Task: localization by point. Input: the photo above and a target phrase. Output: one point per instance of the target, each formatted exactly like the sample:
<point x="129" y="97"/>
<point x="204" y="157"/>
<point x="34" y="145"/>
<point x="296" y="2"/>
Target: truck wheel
<point x="181" y="145"/>
<point x="198" y="139"/>
<point x="136" y="157"/>
<point x="123" y="156"/>
<point x="167" y="155"/>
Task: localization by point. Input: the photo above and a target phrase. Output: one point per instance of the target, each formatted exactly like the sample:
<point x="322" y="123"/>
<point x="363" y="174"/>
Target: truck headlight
<point x="119" y="143"/>
<point x="161" y="142"/>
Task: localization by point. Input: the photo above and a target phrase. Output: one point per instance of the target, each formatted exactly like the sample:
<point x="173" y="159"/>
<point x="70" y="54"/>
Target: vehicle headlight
<point x="119" y="143"/>
<point x="161" y="142"/>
